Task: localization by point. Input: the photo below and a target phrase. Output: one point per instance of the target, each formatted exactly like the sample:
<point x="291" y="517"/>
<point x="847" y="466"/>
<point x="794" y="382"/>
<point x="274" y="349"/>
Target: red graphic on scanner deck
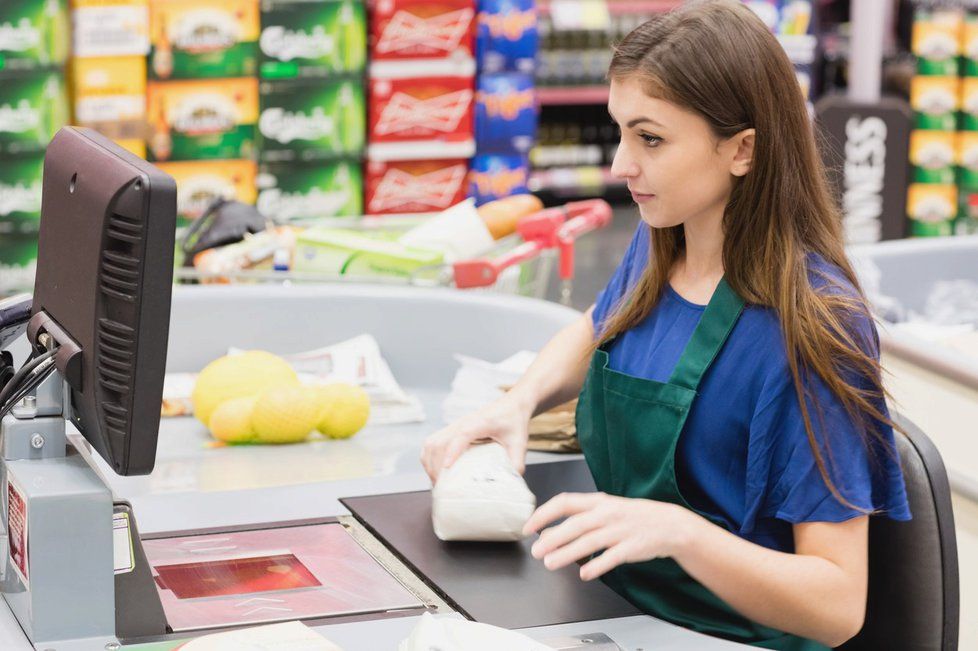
<point x="17" y="532"/>
<point x="442" y="113"/>
<point x="406" y="31"/>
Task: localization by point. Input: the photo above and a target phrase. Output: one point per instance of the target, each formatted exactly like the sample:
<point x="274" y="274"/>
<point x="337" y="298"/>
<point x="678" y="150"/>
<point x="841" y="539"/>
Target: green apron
<point x="628" y="429"/>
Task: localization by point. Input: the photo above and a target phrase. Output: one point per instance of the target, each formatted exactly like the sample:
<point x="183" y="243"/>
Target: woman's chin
<point x="655" y="218"/>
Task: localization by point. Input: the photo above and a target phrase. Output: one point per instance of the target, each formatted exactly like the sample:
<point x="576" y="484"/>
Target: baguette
<point x="501" y="215"/>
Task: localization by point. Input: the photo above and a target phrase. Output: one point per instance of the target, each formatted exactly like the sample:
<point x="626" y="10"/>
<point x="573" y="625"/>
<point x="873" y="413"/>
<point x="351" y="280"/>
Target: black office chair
<point x="913" y="566"/>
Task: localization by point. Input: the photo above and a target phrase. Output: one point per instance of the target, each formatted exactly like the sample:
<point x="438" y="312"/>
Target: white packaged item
<point x="448" y="634"/>
<point x="481" y="497"/>
<point x="458" y="232"/>
<point x="289" y="636"/>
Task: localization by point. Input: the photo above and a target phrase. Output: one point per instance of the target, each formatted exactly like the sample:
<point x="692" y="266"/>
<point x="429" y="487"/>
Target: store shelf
<point x="622" y="8"/>
<point x="564" y="95"/>
<point x="585" y="179"/>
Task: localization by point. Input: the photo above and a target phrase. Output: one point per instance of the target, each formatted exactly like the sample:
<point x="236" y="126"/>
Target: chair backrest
<point x="913" y="566"/>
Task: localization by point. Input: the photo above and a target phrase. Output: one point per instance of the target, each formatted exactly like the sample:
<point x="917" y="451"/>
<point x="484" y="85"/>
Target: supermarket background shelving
<point x="522" y="84"/>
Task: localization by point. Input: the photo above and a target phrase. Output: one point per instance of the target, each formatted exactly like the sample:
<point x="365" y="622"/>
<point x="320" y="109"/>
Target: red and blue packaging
<point x="506" y="36"/>
<point x="505" y="114"/>
<point x="494" y="176"/>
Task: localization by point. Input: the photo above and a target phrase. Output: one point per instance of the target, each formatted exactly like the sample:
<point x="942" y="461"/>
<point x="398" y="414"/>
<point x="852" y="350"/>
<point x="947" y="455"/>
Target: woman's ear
<point x="744" y="154"/>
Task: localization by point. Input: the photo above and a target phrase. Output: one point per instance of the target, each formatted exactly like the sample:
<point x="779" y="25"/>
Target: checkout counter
<point x="369" y="494"/>
<point x="122" y="531"/>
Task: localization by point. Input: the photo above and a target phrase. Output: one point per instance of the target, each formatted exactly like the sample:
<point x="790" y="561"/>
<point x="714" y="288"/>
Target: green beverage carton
<point x="33" y="106"/>
<point x="935" y="102"/>
<point x="18" y="263"/>
<point x="932" y="208"/>
<point x="311" y="120"/>
<point x="202" y="119"/>
<point x="966" y="159"/>
<point x="33" y="33"/>
<point x="312" y="38"/>
<point x="340" y="252"/>
<point x="932" y="154"/>
<point x="289" y="192"/>
<point x="200" y="182"/>
<point x="193" y="39"/>
<point x="936" y="40"/>
<point x="969" y="46"/>
<point x="20" y="195"/>
<point x="969" y="104"/>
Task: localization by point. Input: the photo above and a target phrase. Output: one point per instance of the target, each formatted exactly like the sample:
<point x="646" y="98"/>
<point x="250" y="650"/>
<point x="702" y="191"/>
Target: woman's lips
<point x="641" y="197"/>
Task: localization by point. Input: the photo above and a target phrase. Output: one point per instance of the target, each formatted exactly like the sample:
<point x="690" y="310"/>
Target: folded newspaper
<point x="354" y="361"/>
<point x="478" y="382"/>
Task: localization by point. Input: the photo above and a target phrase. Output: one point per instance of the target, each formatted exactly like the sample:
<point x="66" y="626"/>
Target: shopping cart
<point x="521" y="263"/>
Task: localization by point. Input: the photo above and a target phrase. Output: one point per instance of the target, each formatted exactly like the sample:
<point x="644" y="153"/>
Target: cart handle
<point x="483" y="272"/>
<point x="596" y="214"/>
<point x="545" y="229"/>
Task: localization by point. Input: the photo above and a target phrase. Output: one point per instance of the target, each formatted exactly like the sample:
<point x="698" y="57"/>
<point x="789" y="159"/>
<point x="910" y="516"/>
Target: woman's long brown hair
<point x="717" y="58"/>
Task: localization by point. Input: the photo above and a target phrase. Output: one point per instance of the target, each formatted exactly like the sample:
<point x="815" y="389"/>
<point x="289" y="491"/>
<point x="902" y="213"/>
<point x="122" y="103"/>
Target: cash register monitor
<point x="102" y="290"/>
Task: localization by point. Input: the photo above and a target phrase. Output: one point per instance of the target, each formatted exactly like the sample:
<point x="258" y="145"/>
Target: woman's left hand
<point x="628" y="530"/>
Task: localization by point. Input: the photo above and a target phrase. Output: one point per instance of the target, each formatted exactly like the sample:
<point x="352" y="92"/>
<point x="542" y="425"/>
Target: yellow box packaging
<point x="935" y="101"/>
<point x="969" y="46"/>
<point x="109" y="90"/>
<point x="137" y="147"/>
<point x="936" y="40"/>
<point x="200" y="182"/>
<point x="932" y="155"/>
<point x="932" y="208"/>
<point x="966" y="158"/>
<point x="192" y="39"/>
<point x="969" y="104"/>
<point x="207" y="119"/>
<point x="102" y="28"/>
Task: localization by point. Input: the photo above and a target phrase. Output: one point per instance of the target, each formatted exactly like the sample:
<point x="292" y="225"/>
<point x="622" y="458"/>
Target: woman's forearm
<point x="805" y="595"/>
<point x="558" y="371"/>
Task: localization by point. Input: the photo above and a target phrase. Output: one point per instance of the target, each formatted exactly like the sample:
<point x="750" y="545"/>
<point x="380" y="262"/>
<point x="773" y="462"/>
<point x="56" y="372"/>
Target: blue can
<point x="507" y="38"/>
<point x="505" y="114"/>
<point x="494" y="176"/>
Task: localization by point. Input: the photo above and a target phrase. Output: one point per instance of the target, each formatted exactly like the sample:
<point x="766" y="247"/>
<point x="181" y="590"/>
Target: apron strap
<point x="709" y="336"/>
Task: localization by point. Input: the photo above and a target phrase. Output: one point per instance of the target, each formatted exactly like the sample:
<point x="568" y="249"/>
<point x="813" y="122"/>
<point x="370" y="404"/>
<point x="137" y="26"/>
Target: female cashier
<point x="730" y="408"/>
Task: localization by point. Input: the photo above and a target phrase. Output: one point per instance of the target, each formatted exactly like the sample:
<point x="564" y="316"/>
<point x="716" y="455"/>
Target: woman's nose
<point x="622" y="166"/>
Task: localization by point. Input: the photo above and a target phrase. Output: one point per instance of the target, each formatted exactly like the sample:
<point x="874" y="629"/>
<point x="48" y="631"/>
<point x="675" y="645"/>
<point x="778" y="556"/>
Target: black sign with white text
<point x="866" y="149"/>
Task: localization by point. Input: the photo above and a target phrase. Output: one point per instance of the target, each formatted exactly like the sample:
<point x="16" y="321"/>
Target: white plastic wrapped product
<point x="445" y="634"/>
<point x="481" y="497"/>
<point x="459" y="233"/>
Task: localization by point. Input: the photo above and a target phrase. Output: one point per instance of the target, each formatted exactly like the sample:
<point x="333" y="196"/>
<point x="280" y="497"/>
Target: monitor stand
<point x="61" y="572"/>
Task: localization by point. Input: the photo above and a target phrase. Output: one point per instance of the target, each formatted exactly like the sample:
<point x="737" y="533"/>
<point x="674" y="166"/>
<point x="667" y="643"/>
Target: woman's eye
<point x="651" y="141"/>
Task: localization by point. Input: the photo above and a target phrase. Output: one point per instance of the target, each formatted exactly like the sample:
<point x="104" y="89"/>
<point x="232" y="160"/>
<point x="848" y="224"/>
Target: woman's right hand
<point x="505" y="421"/>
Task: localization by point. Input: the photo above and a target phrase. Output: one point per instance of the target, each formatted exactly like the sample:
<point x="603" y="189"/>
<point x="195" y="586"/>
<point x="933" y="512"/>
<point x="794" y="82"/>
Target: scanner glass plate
<point x="266" y="575"/>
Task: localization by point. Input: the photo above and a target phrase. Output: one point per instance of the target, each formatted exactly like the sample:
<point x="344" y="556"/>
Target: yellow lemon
<point x="231" y="421"/>
<point x="238" y="376"/>
<point x="346" y="409"/>
<point x="286" y="414"/>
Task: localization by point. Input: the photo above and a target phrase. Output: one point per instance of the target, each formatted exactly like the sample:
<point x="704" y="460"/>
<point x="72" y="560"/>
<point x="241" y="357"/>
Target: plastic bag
<point x="481" y="497"/>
